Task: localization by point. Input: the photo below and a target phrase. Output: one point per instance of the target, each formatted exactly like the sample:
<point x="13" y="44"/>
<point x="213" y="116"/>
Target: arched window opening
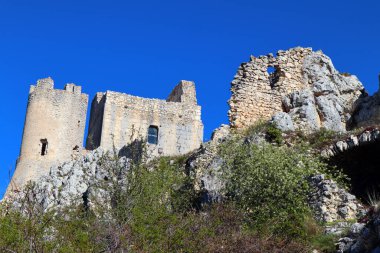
<point x="153" y="135"/>
<point x="271" y="70"/>
<point x="44" y="147"/>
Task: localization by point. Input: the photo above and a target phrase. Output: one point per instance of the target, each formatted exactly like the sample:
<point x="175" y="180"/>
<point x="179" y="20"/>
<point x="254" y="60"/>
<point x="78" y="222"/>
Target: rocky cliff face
<point x="363" y="237"/>
<point x="367" y="111"/>
<point x="84" y="181"/>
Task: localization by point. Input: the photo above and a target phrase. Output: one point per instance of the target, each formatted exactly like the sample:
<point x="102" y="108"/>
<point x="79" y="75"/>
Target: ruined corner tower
<point x="53" y="132"/>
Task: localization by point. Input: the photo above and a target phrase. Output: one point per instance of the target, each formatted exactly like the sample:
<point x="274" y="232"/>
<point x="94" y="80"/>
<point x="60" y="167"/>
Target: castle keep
<point x="55" y="124"/>
<point x="171" y="127"/>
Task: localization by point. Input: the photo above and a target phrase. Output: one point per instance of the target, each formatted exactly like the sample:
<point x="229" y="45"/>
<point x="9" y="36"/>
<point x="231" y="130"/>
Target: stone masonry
<point x="301" y="85"/>
<point x="257" y="93"/>
<point x="56" y="119"/>
<point x="119" y="119"/>
<point x="53" y="131"/>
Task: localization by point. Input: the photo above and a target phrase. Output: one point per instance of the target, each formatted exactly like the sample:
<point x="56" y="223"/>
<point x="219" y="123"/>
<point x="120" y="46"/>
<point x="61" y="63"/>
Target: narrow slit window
<point x="153" y="135"/>
<point x="44" y="147"/>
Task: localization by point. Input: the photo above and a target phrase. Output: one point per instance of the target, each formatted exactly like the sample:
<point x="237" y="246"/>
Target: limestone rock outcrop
<point x="204" y="167"/>
<point x="83" y="181"/>
<point x="367" y="111"/>
<point x="366" y="137"/>
<point x="363" y="237"/>
<point x="304" y="85"/>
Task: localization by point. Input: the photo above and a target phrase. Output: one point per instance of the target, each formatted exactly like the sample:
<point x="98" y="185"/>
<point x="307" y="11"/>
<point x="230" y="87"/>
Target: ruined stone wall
<point x="257" y="93"/>
<point x="54" y="117"/>
<point x="304" y="91"/>
<point x="127" y="118"/>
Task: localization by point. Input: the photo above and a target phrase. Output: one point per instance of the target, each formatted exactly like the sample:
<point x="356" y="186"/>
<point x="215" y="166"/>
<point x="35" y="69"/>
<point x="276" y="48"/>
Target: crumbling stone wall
<point x="257" y="93"/>
<point x="56" y="119"/>
<point x="303" y="92"/>
<point x="119" y="119"/>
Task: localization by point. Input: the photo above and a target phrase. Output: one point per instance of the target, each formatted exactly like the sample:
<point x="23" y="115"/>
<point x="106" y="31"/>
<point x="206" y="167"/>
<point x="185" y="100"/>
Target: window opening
<point x="44" y="147"/>
<point x="271" y="70"/>
<point x="274" y="75"/>
<point x="153" y="135"/>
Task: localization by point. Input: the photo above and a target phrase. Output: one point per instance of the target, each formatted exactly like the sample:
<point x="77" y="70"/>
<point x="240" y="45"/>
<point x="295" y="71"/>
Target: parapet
<point x="47" y="84"/>
<point x="184" y="92"/>
<point x="70" y="87"/>
<point x="43" y="84"/>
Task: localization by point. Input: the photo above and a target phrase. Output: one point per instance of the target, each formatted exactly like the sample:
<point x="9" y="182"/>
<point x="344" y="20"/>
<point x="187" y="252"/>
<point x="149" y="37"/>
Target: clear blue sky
<point x="145" y="47"/>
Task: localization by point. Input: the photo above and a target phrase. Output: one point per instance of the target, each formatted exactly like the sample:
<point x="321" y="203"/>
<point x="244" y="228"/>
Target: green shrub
<point x="270" y="184"/>
<point x="271" y="132"/>
<point x="324" y="242"/>
<point x="323" y="137"/>
<point x="274" y="134"/>
<point x="154" y="200"/>
<point x="259" y="127"/>
<point x="19" y="233"/>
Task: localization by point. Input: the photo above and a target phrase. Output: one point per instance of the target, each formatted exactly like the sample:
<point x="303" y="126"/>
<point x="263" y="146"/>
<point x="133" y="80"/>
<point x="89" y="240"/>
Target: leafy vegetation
<point x="269" y="130"/>
<point x="269" y="185"/>
<point x="152" y="208"/>
<point x="323" y="137"/>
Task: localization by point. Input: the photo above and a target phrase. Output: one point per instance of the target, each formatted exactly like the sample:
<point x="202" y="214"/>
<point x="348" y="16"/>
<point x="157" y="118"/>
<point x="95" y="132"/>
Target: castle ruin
<point x="299" y="88"/>
<point x="260" y="84"/>
<point x="56" y="119"/>
<point x="171" y="127"/>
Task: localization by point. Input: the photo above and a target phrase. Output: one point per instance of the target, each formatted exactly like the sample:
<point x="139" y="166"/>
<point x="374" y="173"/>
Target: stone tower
<point x="53" y="132"/>
<point x="171" y="127"/>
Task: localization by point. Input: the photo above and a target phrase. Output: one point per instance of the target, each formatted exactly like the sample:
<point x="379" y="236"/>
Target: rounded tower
<point x="53" y="131"/>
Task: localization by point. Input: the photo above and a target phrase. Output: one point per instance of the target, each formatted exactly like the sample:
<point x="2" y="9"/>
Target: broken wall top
<point x="299" y="82"/>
